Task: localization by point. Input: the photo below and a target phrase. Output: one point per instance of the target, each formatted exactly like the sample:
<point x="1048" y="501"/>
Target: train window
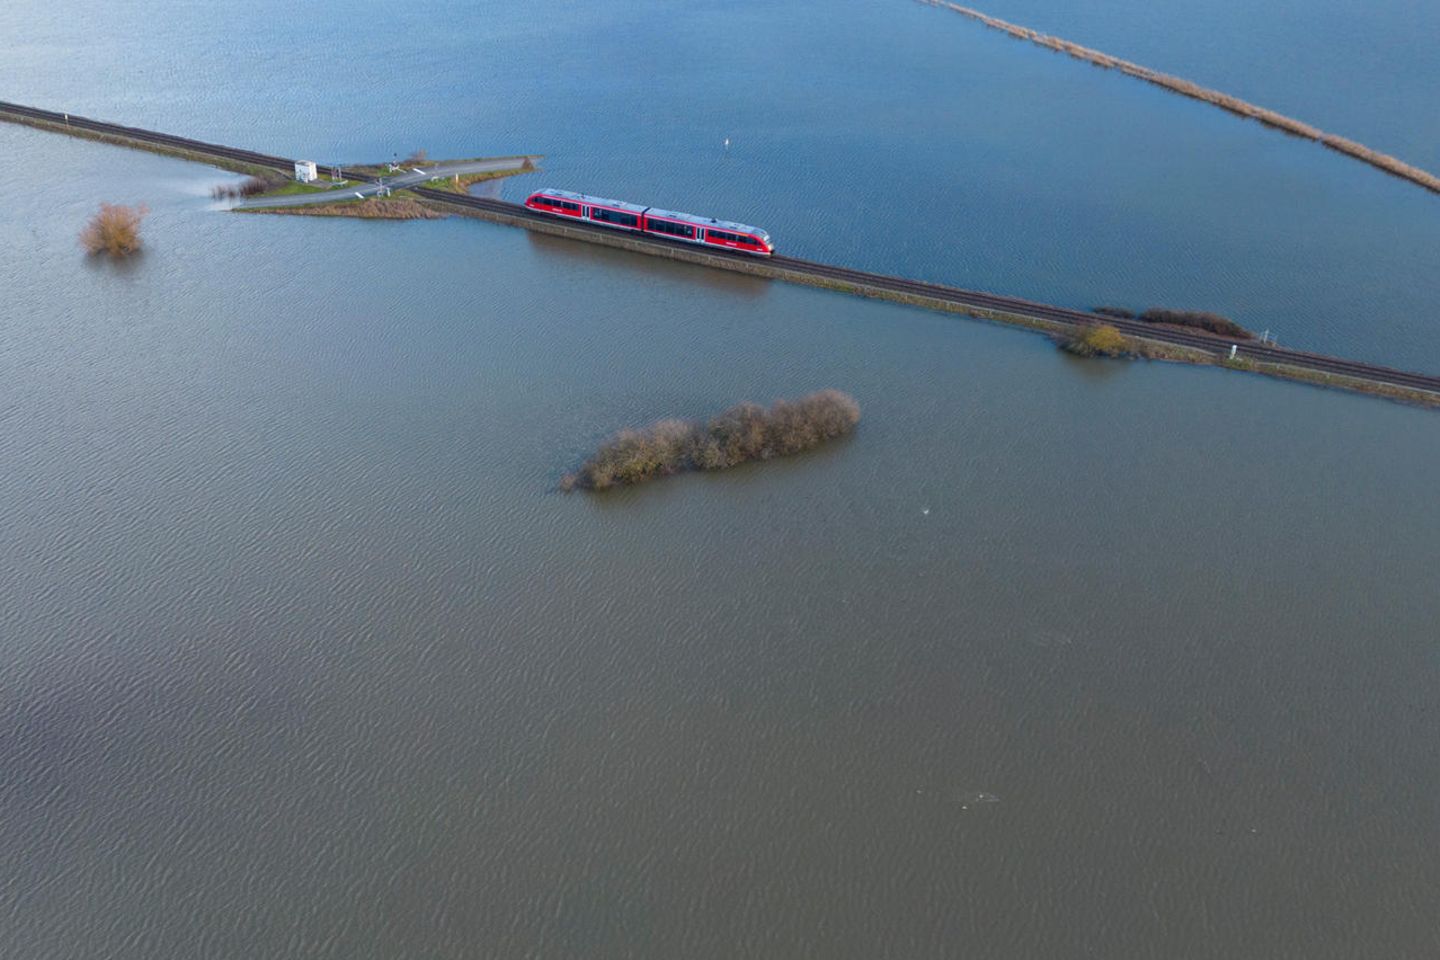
<point x="615" y="217"/>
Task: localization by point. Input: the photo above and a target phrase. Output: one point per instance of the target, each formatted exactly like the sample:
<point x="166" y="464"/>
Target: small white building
<point x="305" y="171"/>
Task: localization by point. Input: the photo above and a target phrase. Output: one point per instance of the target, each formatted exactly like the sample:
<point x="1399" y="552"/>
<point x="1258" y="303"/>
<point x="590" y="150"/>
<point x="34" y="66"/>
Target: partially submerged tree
<point x="743" y="433"/>
<point x="114" y="230"/>
<point x="1100" y="340"/>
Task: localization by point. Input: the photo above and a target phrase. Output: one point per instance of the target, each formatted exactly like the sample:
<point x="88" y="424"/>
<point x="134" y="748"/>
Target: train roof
<point x="596" y="201"/>
<point x="707" y="222"/>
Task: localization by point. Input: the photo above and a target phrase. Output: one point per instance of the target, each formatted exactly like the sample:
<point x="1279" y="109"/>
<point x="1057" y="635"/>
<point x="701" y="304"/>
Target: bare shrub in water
<point x="743" y="433"/>
<point x="115" y="230"/>
<point x="1101" y="340"/>
<point x="249" y="187"/>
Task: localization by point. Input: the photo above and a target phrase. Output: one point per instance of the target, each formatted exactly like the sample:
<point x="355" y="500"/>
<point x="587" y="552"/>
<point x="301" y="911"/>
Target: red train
<point x="684" y="227"/>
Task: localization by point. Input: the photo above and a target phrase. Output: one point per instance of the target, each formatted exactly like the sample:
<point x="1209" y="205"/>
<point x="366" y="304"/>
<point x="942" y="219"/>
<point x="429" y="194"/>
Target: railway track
<point x="957" y="296"/>
<point x="148" y="136"/>
<point x="940" y="293"/>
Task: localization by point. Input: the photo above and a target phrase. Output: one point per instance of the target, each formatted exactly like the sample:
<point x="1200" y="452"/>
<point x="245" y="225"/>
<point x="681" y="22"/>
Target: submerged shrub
<point x="1101" y="340"/>
<point x="249" y="187"/>
<point x="115" y="230"/>
<point x="740" y="434"/>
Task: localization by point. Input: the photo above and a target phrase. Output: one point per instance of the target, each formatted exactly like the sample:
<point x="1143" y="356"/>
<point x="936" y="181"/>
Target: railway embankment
<point x="214" y="155"/>
<point x="1187" y="88"/>
<point x="1150" y="340"/>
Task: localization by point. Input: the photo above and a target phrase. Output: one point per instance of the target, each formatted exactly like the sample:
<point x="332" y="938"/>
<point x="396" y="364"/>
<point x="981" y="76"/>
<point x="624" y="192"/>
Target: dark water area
<point x="305" y="656"/>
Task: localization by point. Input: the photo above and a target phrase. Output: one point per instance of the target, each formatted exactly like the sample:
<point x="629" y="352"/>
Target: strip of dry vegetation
<point x="1186" y="88"/>
<point x="461" y="183"/>
<point x="371" y="208"/>
<point x="1196" y="319"/>
<point x="739" y="435"/>
<point x="114" y="230"/>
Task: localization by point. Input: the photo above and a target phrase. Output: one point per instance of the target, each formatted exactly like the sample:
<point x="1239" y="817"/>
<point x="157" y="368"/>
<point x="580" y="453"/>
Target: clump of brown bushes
<point x="1100" y="340"/>
<point x="1213" y="322"/>
<point x="249" y="187"/>
<point x="114" y="230"/>
<point x="1198" y="319"/>
<point x="739" y="435"/>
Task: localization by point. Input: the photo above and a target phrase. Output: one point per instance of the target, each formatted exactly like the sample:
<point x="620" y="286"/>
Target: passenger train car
<point x="684" y="227"/>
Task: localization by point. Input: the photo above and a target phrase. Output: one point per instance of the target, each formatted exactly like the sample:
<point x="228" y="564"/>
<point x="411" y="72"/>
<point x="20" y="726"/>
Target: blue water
<point x="302" y="654"/>
<point x="892" y="136"/>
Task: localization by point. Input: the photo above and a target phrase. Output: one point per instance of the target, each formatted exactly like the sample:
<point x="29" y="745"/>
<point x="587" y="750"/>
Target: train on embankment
<point x="684" y="227"/>
<point x="1266" y="358"/>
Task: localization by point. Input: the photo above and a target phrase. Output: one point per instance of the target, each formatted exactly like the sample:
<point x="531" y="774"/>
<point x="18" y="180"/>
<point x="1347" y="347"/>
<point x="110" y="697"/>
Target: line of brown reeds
<point x="1381" y="161"/>
<point x="739" y="435"/>
<point x="249" y="187"/>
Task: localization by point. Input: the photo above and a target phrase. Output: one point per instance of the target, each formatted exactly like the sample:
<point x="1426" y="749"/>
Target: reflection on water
<point x="643" y="269"/>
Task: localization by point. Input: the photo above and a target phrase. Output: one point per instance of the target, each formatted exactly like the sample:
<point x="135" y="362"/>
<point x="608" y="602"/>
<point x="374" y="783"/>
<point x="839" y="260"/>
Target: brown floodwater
<point x="302" y="653"/>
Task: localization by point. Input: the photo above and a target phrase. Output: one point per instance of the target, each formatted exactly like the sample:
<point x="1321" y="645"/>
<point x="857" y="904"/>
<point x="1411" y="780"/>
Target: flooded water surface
<point x="304" y="655"/>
